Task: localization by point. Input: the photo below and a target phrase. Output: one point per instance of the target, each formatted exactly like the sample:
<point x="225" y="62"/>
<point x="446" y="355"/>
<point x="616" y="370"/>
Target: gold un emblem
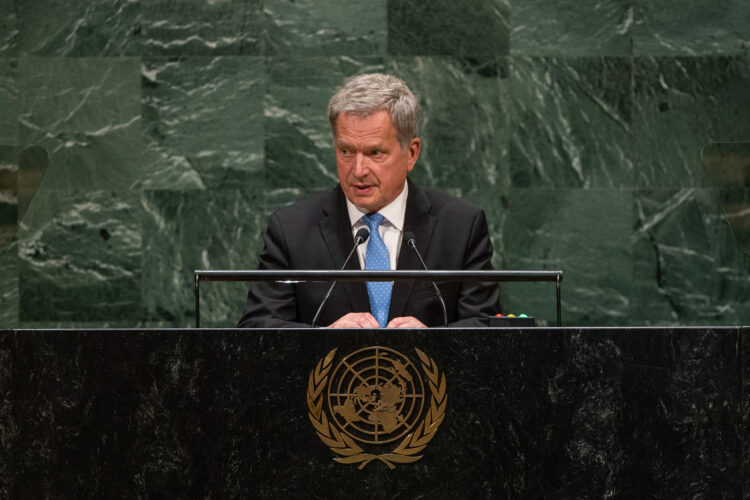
<point x="375" y="399"/>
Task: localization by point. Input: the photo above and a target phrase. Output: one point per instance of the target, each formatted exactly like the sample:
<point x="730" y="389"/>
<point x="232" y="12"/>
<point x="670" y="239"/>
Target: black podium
<point x="631" y="412"/>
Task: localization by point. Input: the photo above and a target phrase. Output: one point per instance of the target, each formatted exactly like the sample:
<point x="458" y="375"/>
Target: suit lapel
<point x="337" y="234"/>
<point x="419" y="221"/>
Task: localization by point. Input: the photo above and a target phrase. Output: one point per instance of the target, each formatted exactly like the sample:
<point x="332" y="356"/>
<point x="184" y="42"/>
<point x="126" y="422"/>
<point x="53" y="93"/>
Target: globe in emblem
<point x="376" y="395"/>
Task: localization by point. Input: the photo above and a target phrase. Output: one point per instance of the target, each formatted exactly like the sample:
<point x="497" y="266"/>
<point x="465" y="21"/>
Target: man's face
<point x="372" y="167"/>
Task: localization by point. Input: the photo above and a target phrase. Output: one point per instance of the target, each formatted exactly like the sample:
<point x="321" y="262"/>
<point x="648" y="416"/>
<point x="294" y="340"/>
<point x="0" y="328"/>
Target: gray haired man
<point x="374" y="119"/>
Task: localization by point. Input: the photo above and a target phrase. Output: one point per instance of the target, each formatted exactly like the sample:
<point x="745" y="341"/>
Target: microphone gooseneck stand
<point x="359" y="238"/>
<point x="411" y="241"/>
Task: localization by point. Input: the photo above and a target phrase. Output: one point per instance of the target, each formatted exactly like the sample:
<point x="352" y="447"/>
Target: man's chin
<point x="367" y="207"/>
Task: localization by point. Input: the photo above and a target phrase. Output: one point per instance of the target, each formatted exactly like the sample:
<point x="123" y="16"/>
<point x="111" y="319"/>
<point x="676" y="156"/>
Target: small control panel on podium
<point x="511" y="321"/>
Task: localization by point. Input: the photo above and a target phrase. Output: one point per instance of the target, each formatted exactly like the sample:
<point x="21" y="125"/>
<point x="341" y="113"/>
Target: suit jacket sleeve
<point x="269" y="304"/>
<point x="476" y="299"/>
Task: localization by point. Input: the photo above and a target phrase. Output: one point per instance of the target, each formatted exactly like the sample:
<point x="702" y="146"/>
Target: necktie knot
<point x="373" y="221"/>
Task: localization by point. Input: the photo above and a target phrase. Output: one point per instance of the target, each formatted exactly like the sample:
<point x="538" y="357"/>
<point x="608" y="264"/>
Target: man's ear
<point x="414" y="147"/>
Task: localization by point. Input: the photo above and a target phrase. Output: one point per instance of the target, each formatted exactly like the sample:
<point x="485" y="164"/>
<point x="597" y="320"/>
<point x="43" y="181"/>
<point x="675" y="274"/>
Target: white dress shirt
<point x="391" y="229"/>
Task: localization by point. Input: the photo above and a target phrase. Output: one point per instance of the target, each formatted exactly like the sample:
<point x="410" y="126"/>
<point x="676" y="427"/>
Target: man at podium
<point x="374" y="120"/>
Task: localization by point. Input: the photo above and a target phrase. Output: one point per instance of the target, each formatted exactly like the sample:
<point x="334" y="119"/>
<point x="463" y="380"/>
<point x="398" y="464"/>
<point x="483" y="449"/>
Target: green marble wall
<point x="174" y="127"/>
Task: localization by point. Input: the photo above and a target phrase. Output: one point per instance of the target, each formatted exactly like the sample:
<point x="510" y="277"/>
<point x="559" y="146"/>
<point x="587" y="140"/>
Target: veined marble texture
<point x="9" y="215"/>
<point x="572" y="122"/>
<point x="317" y="27"/>
<point x="573" y="28"/>
<point x="197" y="27"/>
<point x="188" y="230"/>
<point x="464" y="151"/>
<point x="586" y="234"/>
<point x="21" y="171"/>
<point x="49" y="28"/>
<point x="8" y="28"/>
<point x="9" y="285"/>
<point x="9" y="102"/>
<point x="696" y="27"/>
<point x="682" y="104"/>
<point x="445" y="27"/>
<point x="203" y="122"/>
<point x="79" y="257"/>
<point x="627" y="27"/>
<point x="577" y="127"/>
<point x="687" y="263"/>
<point x="87" y="113"/>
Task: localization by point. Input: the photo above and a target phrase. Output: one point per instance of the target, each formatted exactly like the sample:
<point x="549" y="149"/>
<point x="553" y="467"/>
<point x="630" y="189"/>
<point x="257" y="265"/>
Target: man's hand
<point x="406" y="322"/>
<point x="356" y="320"/>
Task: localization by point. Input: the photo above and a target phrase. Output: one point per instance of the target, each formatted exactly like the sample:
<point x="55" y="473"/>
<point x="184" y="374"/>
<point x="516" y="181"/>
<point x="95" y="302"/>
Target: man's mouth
<point x="363" y="188"/>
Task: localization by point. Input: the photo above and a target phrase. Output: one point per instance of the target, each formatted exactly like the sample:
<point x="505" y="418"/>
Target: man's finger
<point x="406" y="322"/>
<point x="369" y="321"/>
<point x="355" y="320"/>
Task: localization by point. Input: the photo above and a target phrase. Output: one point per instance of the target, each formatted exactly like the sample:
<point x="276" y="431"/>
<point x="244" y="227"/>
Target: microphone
<point x="411" y="241"/>
<point x="359" y="238"/>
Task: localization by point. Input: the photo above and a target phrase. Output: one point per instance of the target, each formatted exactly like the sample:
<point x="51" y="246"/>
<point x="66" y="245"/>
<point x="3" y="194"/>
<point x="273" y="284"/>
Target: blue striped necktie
<point x="377" y="260"/>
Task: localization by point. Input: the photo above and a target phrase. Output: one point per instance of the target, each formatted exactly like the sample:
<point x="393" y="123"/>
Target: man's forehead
<point x="361" y="116"/>
<point x="379" y="123"/>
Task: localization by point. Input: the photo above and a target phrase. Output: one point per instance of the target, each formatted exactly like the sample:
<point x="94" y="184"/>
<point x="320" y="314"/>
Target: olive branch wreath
<point x="342" y="444"/>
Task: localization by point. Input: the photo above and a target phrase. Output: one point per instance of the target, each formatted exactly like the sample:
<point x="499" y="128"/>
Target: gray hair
<point x="363" y="95"/>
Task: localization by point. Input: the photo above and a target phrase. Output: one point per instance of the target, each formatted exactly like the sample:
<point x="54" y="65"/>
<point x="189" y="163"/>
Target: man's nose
<point x="360" y="165"/>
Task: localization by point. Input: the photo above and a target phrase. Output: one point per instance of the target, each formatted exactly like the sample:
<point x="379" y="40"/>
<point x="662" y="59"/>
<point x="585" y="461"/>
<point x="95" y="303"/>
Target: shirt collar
<point x="394" y="212"/>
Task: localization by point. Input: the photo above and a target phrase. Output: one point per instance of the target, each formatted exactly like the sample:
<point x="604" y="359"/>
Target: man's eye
<point x="377" y="152"/>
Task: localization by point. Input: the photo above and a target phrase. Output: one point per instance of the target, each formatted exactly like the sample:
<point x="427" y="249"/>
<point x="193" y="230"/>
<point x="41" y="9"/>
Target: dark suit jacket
<point x="315" y="233"/>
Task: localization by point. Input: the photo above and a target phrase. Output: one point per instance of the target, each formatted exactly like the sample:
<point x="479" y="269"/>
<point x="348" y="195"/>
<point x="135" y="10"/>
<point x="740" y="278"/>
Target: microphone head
<point x="361" y="235"/>
<point x="410" y="239"/>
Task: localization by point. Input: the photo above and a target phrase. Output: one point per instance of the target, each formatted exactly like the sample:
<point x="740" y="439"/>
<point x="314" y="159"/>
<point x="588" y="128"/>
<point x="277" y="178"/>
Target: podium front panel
<point x="443" y="413"/>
